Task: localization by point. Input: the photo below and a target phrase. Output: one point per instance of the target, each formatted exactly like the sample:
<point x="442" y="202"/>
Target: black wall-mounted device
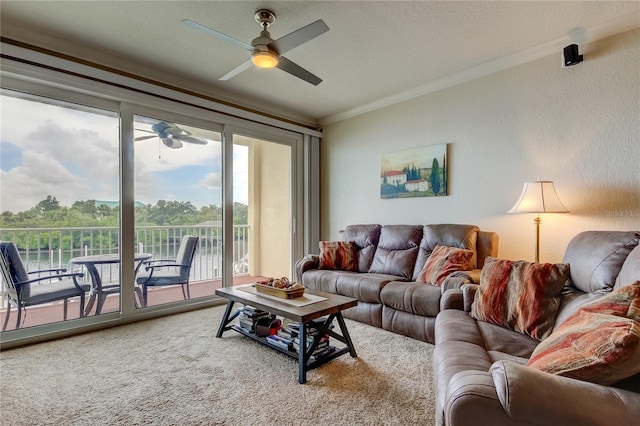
<point x="571" y="56"/>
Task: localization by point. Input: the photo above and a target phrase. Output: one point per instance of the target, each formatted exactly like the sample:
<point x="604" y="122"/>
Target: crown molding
<point x="619" y="25"/>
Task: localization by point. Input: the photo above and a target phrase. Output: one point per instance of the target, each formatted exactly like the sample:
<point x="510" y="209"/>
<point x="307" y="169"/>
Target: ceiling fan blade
<point x="191" y="139"/>
<point x="218" y="35"/>
<point x="299" y="36"/>
<point x="237" y="70"/>
<point x="142" y="138"/>
<point x="294" y="69"/>
<point x="172" y="143"/>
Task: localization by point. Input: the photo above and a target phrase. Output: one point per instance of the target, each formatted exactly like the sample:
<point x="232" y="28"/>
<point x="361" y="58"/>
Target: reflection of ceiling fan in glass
<point x="171" y="135"/>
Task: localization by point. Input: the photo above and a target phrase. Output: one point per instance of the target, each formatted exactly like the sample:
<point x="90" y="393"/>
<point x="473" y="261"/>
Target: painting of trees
<point x="418" y="172"/>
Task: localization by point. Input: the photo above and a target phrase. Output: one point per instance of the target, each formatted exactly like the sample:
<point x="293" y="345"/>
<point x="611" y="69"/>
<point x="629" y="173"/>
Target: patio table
<point x="98" y="289"/>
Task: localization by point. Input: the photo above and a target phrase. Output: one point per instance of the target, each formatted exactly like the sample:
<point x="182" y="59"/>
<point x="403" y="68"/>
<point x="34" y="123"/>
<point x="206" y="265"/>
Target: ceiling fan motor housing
<point x="262" y="41"/>
<point x="265" y="17"/>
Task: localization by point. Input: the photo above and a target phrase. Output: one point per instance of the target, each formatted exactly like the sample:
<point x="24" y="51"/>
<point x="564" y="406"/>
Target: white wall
<point x="578" y="126"/>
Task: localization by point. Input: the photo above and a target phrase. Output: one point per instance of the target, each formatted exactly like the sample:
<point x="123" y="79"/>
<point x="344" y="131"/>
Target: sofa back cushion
<point x="487" y="245"/>
<point x="366" y="238"/>
<point x="450" y="235"/>
<point x="397" y="250"/>
<point x="596" y="258"/>
<point x="523" y="296"/>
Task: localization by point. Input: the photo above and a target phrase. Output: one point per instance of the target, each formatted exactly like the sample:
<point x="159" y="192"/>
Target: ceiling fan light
<point x="264" y="59"/>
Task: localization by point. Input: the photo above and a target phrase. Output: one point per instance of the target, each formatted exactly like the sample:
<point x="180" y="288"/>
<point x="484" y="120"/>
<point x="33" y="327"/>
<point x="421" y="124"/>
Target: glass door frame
<point x="128" y="112"/>
<point x="295" y="142"/>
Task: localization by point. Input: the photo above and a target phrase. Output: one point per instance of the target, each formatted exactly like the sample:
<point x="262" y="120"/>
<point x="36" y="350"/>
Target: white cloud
<point x="73" y="154"/>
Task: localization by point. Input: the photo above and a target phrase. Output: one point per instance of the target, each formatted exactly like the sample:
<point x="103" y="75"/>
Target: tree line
<point x="49" y="213"/>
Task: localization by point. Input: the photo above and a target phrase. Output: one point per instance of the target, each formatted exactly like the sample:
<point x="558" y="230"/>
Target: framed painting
<point x="417" y="172"/>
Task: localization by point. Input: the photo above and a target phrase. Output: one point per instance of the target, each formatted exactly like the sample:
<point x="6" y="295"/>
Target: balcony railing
<point x="46" y="248"/>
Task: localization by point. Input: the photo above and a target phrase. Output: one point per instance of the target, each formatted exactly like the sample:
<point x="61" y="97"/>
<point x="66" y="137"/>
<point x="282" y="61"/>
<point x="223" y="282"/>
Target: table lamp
<point x="538" y="197"/>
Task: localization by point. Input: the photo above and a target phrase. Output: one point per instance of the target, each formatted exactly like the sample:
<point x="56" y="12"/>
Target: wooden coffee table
<point x="331" y="308"/>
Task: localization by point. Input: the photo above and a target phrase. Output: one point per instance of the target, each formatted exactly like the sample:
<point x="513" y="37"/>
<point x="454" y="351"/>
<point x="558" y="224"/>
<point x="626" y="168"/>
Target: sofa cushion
<point x="600" y="343"/>
<point x="453" y="325"/>
<point x="323" y="279"/>
<point x="411" y="297"/>
<point x="338" y="255"/>
<point x="442" y="262"/>
<point x="366" y="238"/>
<point x="364" y="287"/>
<point x="596" y="258"/>
<point x="522" y="296"/>
<point x="397" y="250"/>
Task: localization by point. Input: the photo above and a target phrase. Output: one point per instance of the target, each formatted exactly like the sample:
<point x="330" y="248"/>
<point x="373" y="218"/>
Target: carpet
<point x="174" y="371"/>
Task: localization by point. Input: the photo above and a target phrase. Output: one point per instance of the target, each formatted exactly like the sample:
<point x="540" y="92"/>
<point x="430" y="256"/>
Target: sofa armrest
<point x="537" y="397"/>
<point x="471" y="400"/>
<point x="468" y="294"/>
<point x="458" y="278"/>
<point x="310" y="261"/>
<point x="451" y="288"/>
<point x="452" y="299"/>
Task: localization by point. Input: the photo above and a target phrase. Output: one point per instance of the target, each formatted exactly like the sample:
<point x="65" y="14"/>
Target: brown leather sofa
<point x="390" y="257"/>
<point x="481" y="371"/>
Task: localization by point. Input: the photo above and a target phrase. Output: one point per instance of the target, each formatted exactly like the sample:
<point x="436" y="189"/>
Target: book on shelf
<point x="323" y="343"/>
<point x="252" y="312"/>
<point x="319" y="355"/>
<point x="285" y="334"/>
<point x="279" y="342"/>
<point x="248" y="316"/>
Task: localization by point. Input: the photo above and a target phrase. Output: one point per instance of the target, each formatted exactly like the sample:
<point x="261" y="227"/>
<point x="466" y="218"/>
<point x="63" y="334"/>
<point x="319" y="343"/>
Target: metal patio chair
<point x="23" y="291"/>
<point x="165" y="272"/>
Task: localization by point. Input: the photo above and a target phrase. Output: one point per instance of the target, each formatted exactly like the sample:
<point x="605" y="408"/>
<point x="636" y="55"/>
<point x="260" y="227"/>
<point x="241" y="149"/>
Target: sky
<point x="73" y="154"/>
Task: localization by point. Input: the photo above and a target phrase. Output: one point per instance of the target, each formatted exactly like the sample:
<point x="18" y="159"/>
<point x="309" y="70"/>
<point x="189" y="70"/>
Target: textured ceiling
<point x="372" y="51"/>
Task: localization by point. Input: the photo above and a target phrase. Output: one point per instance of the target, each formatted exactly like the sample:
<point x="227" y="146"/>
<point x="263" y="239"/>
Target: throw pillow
<point x="600" y="343"/>
<point x="442" y="262"/>
<point x="338" y="255"/>
<point x="523" y="296"/>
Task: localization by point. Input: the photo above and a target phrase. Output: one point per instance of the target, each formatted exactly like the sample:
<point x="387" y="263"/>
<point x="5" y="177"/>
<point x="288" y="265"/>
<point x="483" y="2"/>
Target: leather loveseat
<point x="389" y="260"/>
<point x="482" y="370"/>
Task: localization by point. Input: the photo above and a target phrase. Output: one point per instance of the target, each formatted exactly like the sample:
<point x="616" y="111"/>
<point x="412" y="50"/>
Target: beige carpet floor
<point x="174" y="371"/>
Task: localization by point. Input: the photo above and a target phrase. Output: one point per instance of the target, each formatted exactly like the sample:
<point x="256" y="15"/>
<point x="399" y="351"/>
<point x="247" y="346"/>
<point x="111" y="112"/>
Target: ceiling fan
<point x="267" y="52"/>
<point x="171" y="135"/>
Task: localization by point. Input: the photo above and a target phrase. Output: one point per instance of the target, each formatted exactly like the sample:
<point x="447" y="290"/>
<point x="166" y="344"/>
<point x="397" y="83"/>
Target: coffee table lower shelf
<point x="292" y="353"/>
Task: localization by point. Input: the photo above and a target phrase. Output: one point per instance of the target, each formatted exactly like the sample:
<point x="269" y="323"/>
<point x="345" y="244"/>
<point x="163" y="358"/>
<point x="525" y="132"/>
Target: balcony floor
<point x="54" y="312"/>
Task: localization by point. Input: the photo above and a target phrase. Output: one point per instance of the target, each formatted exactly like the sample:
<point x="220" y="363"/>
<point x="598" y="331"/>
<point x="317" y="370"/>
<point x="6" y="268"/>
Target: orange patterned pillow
<point x="338" y="255"/>
<point x="520" y="295"/>
<point x="600" y="343"/>
<point x="442" y="262"/>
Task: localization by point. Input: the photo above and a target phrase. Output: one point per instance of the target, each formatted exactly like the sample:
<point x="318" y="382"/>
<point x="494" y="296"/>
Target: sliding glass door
<point x="59" y="197"/>
<point x="152" y="206"/>
<point x="178" y="209"/>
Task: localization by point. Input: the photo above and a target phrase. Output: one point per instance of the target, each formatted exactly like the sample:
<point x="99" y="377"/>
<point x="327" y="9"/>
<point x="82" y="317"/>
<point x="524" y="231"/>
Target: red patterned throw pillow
<point x="442" y="262"/>
<point x="520" y="295"/>
<point x="338" y="255"/>
<point x="600" y="343"/>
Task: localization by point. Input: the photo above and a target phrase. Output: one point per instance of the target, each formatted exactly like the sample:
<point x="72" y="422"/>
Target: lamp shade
<point x="539" y="197"/>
